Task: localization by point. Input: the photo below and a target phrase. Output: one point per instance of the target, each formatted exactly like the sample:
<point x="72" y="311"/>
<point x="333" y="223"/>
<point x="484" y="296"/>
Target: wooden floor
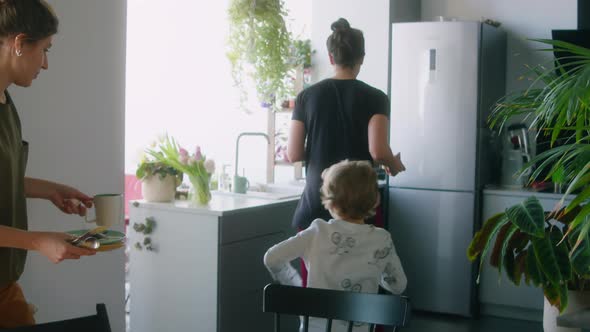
<point x="429" y="322"/>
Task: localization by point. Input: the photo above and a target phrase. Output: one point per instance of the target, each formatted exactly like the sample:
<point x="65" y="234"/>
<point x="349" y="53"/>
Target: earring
<point x="18" y="52"/>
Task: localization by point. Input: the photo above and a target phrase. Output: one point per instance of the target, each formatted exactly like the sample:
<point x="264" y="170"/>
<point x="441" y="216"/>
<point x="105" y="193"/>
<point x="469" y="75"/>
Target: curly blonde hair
<point x="350" y="189"/>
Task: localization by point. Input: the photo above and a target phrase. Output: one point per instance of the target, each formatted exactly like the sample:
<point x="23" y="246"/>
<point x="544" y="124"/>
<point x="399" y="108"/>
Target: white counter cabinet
<point x="205" y="272"/>
<point x="497" y="294"/>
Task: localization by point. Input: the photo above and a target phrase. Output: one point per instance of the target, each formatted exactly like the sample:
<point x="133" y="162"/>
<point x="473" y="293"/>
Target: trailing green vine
<point x="259" y="48"/>
<point x="146" y="229"/>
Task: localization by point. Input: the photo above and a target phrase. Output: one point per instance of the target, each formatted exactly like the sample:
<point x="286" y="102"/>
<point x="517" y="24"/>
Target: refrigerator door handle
<point x="432" y="59"/>
<point x="432" y="66"/>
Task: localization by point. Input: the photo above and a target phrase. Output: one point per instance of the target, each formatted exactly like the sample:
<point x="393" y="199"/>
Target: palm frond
<point x="527" y="240"/>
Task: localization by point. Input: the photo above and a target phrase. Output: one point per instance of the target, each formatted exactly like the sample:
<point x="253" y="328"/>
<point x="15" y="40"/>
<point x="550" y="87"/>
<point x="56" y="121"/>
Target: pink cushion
<point x="132" y="191"/>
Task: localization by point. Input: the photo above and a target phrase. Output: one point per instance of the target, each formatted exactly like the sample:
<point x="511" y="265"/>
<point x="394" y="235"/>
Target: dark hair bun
<point x="340" y="25"/>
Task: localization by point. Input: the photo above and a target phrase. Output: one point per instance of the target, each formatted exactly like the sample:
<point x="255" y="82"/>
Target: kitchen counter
<point x="523" y="192"/>
<point x="221" y="204"/>
<point x="205" y="271"/>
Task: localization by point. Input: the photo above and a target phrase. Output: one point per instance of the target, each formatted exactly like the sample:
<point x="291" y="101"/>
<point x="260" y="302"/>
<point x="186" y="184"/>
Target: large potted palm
<point x="550" y="249"/>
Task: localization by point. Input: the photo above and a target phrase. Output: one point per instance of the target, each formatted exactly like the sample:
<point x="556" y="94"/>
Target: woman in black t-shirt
<point x="338" y="118"/>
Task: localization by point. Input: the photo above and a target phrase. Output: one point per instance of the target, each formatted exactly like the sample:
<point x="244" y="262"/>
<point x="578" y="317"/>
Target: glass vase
<point x="200" y="192"/>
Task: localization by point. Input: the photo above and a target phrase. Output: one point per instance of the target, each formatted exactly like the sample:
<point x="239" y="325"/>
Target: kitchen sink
<point x="270" y="191"/>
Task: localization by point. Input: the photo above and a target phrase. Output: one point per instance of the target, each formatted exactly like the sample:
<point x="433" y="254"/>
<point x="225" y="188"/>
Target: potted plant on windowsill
<point x="551" y="249"/>
<point x="299" y="62"/>
<point x="159" y="181"/>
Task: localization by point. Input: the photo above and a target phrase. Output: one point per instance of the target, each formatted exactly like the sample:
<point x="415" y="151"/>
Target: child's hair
<point x="350" y="189"/>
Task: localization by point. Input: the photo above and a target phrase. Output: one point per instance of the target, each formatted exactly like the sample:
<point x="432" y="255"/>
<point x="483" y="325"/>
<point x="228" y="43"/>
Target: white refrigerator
<point x="445" y="76"/>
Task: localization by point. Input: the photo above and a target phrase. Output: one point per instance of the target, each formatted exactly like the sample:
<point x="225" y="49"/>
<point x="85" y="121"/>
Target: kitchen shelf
<point x="271" y="162"/>
<point x="282" y="163"/>
<point x="285" y="110"/>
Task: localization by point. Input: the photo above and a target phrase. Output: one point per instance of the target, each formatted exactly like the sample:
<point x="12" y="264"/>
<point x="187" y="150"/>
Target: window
<point x="179" y="82"/>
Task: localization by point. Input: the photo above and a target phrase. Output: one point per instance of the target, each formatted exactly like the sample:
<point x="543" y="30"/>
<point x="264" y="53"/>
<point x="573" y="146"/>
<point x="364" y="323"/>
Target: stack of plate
<point x="108" y="239"/>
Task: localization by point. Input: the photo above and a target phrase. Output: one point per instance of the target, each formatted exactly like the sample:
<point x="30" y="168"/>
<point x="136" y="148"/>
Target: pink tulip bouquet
<point x="198" y="168"/>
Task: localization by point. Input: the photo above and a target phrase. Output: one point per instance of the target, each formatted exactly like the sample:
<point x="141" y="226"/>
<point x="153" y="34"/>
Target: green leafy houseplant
<point x="299" y="62"/>
<point x="196" y="166"/>
<point x="149" y="168"/>
<point x="560" y="106"/>
<point x="551" y="249"/>
<point x="158" y="179"/>
<point x="527" y="241"/>
<point x="259" y="47"/>
<point x="300" y="53"/>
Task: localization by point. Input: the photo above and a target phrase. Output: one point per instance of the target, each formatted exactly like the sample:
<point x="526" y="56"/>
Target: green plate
<point x="111" y="237"/>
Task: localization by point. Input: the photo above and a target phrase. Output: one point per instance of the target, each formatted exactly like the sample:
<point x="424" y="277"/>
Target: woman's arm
<point x="53" y="245"/>
<point x="379" y="145"/>
<point x="50" y="244"/>
<point x="64" y="197"/>
<point x="278" y="258"/>
<point x="296" y="142"/>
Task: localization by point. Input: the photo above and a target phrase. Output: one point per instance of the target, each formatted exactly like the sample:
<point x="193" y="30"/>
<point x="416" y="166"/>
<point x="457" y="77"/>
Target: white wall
<point x="299" y="18"/>
<point x="73" y="117"/>
<point x="372" y="17"/>
<point x="405" y="10"/>
<point x="521" y="19"/>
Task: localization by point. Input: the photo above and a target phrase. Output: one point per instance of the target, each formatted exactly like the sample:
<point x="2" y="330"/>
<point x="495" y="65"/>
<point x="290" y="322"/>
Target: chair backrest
<point x="94" y="323"/>
<point x="390" y="310"/>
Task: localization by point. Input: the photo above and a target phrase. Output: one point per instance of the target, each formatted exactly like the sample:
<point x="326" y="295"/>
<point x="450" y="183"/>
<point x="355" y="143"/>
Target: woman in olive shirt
<point x="26" y="30"/>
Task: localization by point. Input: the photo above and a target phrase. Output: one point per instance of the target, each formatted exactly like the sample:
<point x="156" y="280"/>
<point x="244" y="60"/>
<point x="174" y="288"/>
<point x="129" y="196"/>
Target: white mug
<point x="108" y="210"/>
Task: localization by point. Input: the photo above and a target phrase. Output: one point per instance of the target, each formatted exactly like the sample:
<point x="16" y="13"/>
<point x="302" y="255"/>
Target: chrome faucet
<point x="238" y="144"/>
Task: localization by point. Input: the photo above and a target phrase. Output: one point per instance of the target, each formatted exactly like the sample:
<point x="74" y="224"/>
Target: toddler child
<point x="343" y="253"/>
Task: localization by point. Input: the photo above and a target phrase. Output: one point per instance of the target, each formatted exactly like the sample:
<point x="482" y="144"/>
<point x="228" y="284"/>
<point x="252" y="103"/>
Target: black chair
<point x="374" y="309"/>
<point x="94" y="323"/>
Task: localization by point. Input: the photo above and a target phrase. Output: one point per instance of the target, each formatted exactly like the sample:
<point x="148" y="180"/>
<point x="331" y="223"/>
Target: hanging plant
<point x="259" y="48"/>
<point x="299" y="61"/>
<point x="300" y="53"/>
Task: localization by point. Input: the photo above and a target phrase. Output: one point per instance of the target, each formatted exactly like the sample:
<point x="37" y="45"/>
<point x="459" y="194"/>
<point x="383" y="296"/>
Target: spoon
<point x="90" y="243"/>
<point x="88" y="234"/>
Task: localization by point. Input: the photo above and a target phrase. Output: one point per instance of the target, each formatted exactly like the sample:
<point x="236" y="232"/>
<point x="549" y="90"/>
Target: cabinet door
<point x="174" y="287"/>
<point x="242" y="277"/>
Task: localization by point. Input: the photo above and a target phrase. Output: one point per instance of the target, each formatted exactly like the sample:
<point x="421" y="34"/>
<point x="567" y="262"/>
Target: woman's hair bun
<point x="340" y="25"/>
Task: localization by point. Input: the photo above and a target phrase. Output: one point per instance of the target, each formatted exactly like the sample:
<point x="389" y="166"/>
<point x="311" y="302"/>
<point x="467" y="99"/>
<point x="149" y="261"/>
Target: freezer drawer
<point x="431" y="232"/>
